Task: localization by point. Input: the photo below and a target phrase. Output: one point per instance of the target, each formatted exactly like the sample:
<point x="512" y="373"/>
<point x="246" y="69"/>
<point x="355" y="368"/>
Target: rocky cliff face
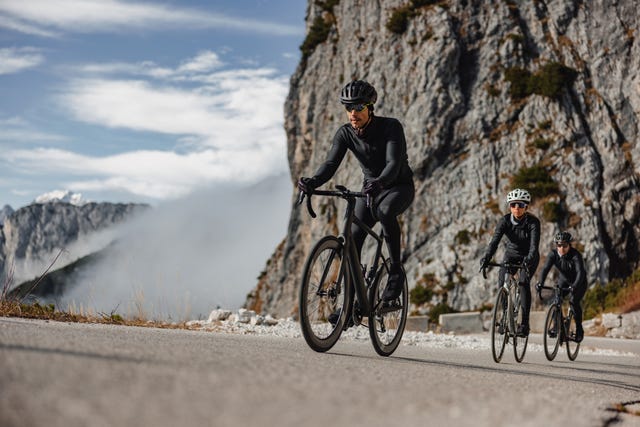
<point x="32" y="236"/>
<point x="540" y="94"/>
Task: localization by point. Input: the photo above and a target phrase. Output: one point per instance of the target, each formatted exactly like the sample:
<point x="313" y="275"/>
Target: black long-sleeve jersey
<point x="381" y="151"/>
<point x="570" y="266"/>
<point x="523" y="237"/>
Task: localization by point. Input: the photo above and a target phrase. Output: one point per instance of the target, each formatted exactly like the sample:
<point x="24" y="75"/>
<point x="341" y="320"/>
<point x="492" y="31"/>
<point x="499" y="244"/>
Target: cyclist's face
<point x="518" y="209"/>
<point x="358" y="118"/>
<point x="563" y="248"/>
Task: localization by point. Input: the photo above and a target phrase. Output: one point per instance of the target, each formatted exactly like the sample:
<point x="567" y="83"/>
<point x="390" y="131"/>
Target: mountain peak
<point x="64" y="196"/>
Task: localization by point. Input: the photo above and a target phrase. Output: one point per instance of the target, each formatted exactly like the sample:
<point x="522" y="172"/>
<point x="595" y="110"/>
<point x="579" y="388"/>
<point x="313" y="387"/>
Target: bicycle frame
<point x="558" y="301"/>
<point x="505" y="329"/>
<point x="353" y="264"/>
<point x="511" y="286"/>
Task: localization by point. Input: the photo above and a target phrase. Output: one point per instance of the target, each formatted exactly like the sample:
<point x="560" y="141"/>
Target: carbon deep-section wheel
<point x="387" y="320"/>
<point x="324" y="296"/>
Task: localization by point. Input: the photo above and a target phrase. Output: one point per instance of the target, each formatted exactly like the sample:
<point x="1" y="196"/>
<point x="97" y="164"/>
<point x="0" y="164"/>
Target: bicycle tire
<point x="573" y="347"/>
<point x="324" y="291"/>
<point x="519" y="343"/>
<point x="386" y="327"/>
<point x="552" y="321"/>
<point x="499" y="326"/>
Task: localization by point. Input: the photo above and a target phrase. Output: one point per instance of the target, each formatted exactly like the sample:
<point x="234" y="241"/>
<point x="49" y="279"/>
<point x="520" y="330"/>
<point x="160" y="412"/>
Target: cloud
<point x="185" y="257"/>
<point x="17" y="130"/>
<point x="87" y="16"/>
<point x="162" y="175"/>
<point x="231" y="109"/>
<point x="16" y="59"/>
<point x="227" y="126"/>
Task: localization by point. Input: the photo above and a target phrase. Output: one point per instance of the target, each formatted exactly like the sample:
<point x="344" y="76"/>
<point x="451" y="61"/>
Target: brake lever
<point x="309" y="207"/>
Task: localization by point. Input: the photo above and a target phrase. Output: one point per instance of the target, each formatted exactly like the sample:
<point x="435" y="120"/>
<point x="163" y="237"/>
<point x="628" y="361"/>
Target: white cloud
<point x="86" y="16"/>
<point x="157" y="174"/>
<point x="204" y="62"/>
<point x="16" y="59"/>
<point x="234" y="109"/>
<point x="227" y="125"/>
<point x="17" y="130"/>
<point x="21" y="27"/>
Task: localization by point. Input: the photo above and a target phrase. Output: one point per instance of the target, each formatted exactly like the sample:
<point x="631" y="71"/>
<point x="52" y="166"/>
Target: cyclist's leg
<point x="525" y="292"/>
<point x="359" y="234"/>
<point x="391" y="203"/>
<point x="576" y="305"/>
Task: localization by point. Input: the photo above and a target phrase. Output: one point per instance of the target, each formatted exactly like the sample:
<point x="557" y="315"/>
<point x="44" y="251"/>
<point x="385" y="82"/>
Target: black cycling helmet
<point x="358" y="92"/>
<point x="563" y="236"/>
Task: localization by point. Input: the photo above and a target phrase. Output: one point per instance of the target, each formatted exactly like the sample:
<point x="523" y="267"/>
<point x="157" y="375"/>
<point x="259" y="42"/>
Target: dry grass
<point x="9" y="308"/>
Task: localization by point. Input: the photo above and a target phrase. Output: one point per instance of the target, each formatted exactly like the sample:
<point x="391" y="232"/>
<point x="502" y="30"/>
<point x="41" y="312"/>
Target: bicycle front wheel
<point x="324" y="295"/>
<point x="387" y="321"/>
<point x="499" y="329"/>
<point x="552" y="332"/>
<point x="519" y="343"/>
<point x="573" y="347"/>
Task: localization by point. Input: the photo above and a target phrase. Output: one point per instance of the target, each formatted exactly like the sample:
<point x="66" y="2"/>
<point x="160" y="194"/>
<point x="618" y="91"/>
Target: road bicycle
<point x="507" y="314"/>
<point x="560" y="324"/>
<point x="332" y="277"/>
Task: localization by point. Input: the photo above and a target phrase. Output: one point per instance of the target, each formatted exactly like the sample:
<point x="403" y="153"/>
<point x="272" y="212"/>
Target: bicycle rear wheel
<point x="499" y="328"/>
<point x="386" y="322"/>
<point x="552" y="332"/>
<point x="324" y="295"/>
<point x="573" y="347"/>
<point x="519" y="343"/>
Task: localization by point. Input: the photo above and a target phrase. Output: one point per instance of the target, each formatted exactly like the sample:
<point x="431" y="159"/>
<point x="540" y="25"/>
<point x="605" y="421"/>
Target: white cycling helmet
<point x="519" y="195"/>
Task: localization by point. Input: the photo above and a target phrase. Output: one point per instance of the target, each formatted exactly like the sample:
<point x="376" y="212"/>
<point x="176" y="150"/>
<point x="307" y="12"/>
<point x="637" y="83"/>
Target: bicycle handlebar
<point x="551" y="288"/>
<point x="504" y="265"/>
<point x="341" y="191"/>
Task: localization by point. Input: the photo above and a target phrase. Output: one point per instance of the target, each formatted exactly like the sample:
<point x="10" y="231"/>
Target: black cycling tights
<point x="386" y="207"/>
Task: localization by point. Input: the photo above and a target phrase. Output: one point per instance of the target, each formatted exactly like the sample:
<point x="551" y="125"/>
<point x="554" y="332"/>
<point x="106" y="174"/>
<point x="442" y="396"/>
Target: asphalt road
<point x="60" y="374"/>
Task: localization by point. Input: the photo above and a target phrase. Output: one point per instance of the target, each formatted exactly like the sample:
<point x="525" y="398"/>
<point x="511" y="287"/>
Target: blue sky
<point x="131" y="101"/>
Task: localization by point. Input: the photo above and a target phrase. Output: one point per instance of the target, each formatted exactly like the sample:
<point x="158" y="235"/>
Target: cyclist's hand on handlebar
<point x="372" y="187"/>
<point x="307" y="185"/>
<point x="484" y="262"/>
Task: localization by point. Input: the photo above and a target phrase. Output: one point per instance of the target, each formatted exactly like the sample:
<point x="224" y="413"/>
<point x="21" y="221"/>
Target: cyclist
<point x="570" y="265"/>
<point x="522" y="230"/>
<point x="379" y="145"/>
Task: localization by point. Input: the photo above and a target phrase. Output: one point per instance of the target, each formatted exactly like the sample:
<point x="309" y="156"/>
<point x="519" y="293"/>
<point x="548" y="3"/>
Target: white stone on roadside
<point x="269" y="320"/>
<point x="610" y="320"/>
<point x="218" y="314"/>
<point x="244" y="316"/>
<point x="256" y="320"/>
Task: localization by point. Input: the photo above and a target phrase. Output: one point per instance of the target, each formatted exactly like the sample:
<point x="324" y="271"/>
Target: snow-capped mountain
<point x="64" y="196"/>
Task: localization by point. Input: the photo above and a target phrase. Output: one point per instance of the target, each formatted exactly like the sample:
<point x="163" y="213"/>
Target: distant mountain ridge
<point x="32" y="236"/>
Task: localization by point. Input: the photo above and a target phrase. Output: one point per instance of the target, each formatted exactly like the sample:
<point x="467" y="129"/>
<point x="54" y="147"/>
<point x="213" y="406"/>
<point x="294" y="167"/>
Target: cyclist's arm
<point x="581" y="272"/>
<point x="396" y="151"/>
<point x="547" y="266"/>
<point x="495" y="240"/>
<point x="534" y="242"/>
<point x="334" y="158"/>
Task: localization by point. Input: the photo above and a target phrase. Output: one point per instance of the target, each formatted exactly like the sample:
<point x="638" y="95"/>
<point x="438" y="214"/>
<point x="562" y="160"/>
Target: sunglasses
<point x="562" y="245"/>
<point x="357" y="107"/>
<point x="517" y="205"/>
